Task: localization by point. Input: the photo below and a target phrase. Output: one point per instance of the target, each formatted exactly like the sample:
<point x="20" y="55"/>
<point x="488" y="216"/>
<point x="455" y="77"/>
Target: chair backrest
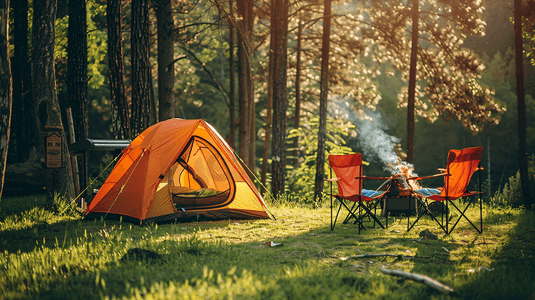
<point x="347" y="168"/>
<point x="461" y="166"/>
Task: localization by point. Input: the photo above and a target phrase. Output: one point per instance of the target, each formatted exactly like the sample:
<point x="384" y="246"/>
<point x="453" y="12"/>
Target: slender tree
<point x="251" y="131"/>
<point x="120" y="109"/>
<point x="297" y="114"/>
<point x="279" y="25"/>
<point x="166" y="63"/>
<point x="5" y="89"/>
<point x="23" y="126"/>
<point x="244" y="73"/>
<point x="269" y="108"/>
<point x="141" y="80"/>
<point x="77" y="74"/>
<point x="412" y="82"/>
<point x="324" y="93"/>
<point x="522" y="149"/>
<point x="232" y="79"/>
<point x="57" y="180"/>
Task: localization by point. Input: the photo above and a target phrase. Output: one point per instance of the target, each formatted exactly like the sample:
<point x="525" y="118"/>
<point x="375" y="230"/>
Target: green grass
<point x="54" y="254"/>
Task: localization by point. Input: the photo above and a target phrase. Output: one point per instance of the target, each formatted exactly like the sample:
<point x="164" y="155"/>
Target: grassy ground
<point x="55" y="254"/>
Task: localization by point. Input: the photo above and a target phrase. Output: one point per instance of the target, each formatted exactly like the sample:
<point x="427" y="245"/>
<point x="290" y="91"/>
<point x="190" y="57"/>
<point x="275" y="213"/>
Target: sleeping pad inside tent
<point x="178" y="169"/>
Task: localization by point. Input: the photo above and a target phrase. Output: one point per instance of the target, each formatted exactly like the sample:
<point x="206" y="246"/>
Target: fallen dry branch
<point x="370" y="255"/>
<point x="419" y="278"/>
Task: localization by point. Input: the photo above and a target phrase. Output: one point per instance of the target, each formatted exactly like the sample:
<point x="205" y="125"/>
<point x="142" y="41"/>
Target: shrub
<point x="301" y="178"/>
<point x="511" y="195"/>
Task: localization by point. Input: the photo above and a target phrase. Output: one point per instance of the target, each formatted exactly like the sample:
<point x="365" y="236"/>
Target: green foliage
<point x="64" y="208"/>
<point x="300" y="179"/>
<point x="97" y="45"/>
<point x="500" y="75"/>
<point x="511" y="195"/>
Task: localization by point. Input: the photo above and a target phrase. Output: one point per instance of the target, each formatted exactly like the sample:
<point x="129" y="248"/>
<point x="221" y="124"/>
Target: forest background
<point x="206" y="59"/>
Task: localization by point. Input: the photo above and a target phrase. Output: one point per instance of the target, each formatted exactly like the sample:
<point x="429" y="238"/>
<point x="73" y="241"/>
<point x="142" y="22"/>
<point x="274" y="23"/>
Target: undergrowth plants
<point x="53" y="255"/>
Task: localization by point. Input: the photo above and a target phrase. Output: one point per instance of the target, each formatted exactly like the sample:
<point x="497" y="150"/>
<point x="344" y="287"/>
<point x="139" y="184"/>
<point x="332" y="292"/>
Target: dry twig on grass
<point x="419" y="278"/>
<point x="369" y="255"/>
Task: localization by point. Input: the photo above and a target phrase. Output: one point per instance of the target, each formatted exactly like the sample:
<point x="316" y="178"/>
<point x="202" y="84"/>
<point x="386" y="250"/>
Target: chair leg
<point x="351" y="212"/>
<point x="447" y="216"/>
<point x="369" y="213"/>
<point x="463" y="215"/>
<point x="425" y="210"/>
<point x="348" y="217"/>
<point x="385" y="209"/>
<point x="333" y="224"/>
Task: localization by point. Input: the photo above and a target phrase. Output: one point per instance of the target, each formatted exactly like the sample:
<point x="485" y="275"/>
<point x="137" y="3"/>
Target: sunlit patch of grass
<point x="49" y="254"/>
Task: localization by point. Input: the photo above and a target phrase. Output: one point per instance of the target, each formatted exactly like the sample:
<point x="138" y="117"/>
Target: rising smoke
<point x="373" y="140"/>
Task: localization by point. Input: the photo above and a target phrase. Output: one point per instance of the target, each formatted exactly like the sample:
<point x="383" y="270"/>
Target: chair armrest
<point x="441" y="170"/>
<point x="366" y="177"/>
<point x="425" y="177"/>
<point x="333" y="179"/>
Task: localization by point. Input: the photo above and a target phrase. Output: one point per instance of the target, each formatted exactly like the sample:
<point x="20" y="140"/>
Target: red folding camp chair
<point x="461" y="166"/>
<point x="348" y="171"/>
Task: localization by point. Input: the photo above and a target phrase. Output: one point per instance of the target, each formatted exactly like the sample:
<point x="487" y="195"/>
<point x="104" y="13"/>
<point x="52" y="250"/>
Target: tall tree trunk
<point x="77" y="75"/>
<point x="297" y="115"/>
<point x="166" y="65"/>
<point x="324" y="94"/>
<point x="120" y="110"/>
<point x="45" y="103"/>
<point x="5" y="89"/>
<point x="412" y="83"/>
<point x="153" y="109"/>
<point x="252" y="110"/>
<point x="141" y="81"/>
<point x="232" y="83"/>
<point x="279" y="24"/>
<point x="269" y="106"/>
<point x="522" y="148"/>
<point x="244" y="35"/>
<point x="23" y="125"/>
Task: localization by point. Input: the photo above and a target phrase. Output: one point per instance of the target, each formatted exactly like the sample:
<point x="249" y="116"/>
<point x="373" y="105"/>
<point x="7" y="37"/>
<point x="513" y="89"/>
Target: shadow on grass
<point x="200" y="269"/>
<point x="511" y="274"/>
<point x="27" y="239"/>
<point x="307" y="265"/>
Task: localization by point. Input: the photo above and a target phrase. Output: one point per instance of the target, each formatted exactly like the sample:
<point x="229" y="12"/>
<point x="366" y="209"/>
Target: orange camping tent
<point x="178" y="169"/>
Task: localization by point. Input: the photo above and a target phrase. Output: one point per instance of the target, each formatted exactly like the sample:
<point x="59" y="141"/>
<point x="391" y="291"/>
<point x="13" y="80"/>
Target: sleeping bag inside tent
<point x="178" y="169"/>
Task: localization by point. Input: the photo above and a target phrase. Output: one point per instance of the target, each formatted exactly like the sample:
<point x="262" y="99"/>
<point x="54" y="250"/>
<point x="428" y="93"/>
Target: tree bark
<point x="77" y="66"/>
<point x="166" y="66"/>
<point x="412" y="83"/>
<point x="45" y="103"/>
<point x="23" y="133"/>
<point x="269" y="107"/>
<point x="232" y="82"/>
<point x="297" y="115"/>
<point x="324" y="93"/>
<point x="141" y="84"/>
<point x="250" y="84"/>
<point x="279" y="24"/>
<point x="120" y="109"/>
<point x="6" y="91"/>
<point x="522" y="148"/>
<point x="77" y="75"/>
<point x="244" y="65"/>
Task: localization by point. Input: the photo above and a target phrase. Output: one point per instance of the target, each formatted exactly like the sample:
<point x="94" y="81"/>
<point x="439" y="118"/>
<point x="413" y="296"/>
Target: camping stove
<point x="398" y="200"/>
